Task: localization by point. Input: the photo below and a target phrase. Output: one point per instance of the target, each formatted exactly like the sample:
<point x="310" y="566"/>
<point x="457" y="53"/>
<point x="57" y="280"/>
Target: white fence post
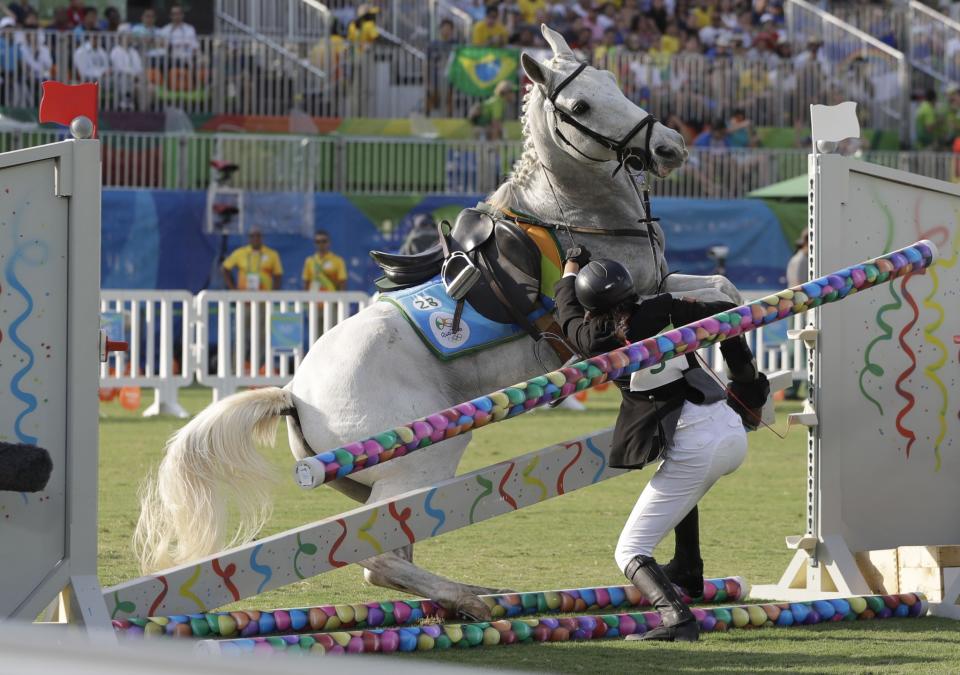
<point x="244" y="338"/>
<point x="157" y="344"/>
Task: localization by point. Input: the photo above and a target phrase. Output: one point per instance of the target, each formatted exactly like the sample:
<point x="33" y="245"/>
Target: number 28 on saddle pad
<point x="430" y="311"/>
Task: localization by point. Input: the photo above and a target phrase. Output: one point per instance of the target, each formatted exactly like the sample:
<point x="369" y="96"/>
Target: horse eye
<point x="580" y="107"/>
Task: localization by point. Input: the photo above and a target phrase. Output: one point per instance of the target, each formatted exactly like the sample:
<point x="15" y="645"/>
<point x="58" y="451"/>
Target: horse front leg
<point x="396" y="569"/>
<point x="710" y="288"/>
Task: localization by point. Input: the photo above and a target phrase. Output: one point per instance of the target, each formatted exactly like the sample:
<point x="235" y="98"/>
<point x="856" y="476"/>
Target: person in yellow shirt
<point x="363" y="30"/>
<point x="529" y="8"/>
<point x="324" y="270"/>
<point x="703" y="14"/>
<point x="258" y="266"/>
<point x="490" y="32"/>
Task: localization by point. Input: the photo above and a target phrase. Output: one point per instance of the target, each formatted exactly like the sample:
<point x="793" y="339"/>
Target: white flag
<point x="834" y="122"/>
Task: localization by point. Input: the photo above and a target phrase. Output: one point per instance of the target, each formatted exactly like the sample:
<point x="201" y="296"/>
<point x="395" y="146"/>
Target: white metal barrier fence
<point x="160" y="355"/>
<point x="227" y="340"/>
<point x="236" y="334"/>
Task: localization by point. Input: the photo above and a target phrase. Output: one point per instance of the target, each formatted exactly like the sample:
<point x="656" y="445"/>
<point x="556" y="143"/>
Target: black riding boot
<point x="686" y="568"/>
<point x="677" y="621"/>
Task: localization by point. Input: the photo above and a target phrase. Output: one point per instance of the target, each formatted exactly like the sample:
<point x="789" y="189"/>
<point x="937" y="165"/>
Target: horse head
<point x="590" y="119"/>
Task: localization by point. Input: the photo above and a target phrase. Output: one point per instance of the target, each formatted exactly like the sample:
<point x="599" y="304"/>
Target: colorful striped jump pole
<point x="588" y="627"/>
<point x="518" y="399"/>
<point x="398" y="613"/>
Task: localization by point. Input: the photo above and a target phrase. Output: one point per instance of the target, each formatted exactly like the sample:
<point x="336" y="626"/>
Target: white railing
<point x="859" y="67"/>
<point x="933" y="41"/>
<point x="235" y="333"/>
<point x="283" y="20"/>
<point x="772" y="355"/>
<point x="227" y="340"/>
<point x="160" y="356"/>
<point x="385" y="166"/>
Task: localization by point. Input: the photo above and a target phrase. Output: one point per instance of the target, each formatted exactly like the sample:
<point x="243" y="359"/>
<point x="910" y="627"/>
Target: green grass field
<point x="564" y="543"/>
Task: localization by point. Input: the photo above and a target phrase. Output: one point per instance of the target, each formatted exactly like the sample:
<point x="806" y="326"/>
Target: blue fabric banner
<point x="155" y="238"/>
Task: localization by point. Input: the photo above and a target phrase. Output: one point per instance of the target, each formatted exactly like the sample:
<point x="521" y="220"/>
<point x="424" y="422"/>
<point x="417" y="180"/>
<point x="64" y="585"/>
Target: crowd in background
<point x="101" y="48"/>
<point x="660" y="28"/>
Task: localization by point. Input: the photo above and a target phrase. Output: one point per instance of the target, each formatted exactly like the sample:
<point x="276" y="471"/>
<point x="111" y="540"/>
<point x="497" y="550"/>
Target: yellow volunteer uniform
<point x="324" y="272"/>
<point x="484" y="34"/>
<point x="365" y="34"/>
<point x="255" y="269"/>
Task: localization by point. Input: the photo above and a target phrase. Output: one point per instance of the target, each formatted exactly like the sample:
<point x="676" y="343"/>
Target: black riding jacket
<point x="647" y="421"/>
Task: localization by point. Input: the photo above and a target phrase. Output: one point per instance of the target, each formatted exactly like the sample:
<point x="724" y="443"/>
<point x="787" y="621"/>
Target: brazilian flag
<point x="475" y="71"/>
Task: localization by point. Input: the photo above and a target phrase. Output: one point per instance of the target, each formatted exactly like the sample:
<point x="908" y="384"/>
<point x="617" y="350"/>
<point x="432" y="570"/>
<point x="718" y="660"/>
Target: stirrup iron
<point x="459" y="275"/>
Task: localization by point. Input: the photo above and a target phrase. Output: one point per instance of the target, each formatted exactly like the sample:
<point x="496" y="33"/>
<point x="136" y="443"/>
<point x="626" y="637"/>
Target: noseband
<point x="617" y="146"/>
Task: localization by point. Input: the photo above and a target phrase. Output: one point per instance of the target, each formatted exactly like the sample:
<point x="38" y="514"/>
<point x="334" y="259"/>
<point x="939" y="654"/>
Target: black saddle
<point x="402" y="271"/>
<point x="507" y="258"/>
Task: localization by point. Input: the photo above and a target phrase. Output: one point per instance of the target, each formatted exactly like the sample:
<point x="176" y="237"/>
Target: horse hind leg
<point x="391" y="570"/>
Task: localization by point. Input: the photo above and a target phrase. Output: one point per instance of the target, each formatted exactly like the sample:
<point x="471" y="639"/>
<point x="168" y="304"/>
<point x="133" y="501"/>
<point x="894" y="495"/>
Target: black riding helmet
<point x="603" y="284"/>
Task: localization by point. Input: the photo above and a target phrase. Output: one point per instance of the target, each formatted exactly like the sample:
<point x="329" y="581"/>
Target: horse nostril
<point x="667" y="152"/>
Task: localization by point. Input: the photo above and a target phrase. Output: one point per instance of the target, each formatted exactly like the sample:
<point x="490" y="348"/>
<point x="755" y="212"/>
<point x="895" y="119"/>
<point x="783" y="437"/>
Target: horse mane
<point x="505" y="196"/>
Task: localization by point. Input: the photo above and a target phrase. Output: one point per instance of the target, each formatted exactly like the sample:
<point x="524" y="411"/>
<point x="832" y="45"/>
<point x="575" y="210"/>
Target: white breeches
<point x="709" y="442"/>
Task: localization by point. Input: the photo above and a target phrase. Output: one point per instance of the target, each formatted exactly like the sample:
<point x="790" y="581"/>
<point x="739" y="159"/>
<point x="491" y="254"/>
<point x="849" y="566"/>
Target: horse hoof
<point x="472" y="608"/>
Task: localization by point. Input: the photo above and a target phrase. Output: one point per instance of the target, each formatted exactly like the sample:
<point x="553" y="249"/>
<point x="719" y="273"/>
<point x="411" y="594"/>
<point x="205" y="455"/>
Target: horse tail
<point x="208" y="465"/>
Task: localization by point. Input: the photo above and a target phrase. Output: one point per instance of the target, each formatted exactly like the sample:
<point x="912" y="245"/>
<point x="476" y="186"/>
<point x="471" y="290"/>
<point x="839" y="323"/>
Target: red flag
<point x="63" y="102"/>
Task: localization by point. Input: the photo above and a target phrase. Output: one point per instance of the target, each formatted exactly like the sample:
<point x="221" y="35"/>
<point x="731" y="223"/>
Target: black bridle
<point x="618" y="146"/>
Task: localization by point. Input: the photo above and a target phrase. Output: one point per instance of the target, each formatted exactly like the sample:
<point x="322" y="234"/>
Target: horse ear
<point x="557" y="42"/>
<point x="536" y="71"/>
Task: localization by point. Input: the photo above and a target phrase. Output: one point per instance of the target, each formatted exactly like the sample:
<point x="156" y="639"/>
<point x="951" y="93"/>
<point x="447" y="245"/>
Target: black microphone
<point x="24" y="468"/>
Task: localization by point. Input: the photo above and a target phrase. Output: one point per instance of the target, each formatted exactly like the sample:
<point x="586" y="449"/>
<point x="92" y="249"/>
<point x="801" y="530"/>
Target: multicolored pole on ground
<point x="606" y="626"/>
<point x="393" y="613"/>
<point x="543" y="389"/>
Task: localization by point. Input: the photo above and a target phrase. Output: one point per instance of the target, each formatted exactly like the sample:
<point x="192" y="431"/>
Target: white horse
<point x="372" y="372"/>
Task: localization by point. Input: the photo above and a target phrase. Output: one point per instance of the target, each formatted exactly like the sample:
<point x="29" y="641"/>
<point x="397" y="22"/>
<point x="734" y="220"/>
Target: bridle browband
<point x="617" y="146"/>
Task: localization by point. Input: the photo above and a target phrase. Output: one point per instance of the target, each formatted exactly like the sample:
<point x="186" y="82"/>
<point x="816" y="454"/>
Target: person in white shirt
<point x="148" y="33"/>
<point x="91" y="60"/>
<point x="127" y="68"/>
<point x="181" y="38"/>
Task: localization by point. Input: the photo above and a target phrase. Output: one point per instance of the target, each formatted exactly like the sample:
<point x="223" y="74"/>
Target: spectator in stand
<point x="90" y="23"/>
<point x="488" y="116"/>
<point x="702" y="14"/>
<point x="926" y="121"/>
<point x="61" y="19"/>
<point x="714" y="137"/>
<point x="529" y="9"/>
<point x="363" y="31"/>
<point x="9" y="61"/>
<point x="812" y="54"/>
<point x="490" y="32"/>
<point x="75" y="12"/>
<point x="768" y="36"/>
<point x="90" y="59"/>
<point x="149" y="35"/>
<point x="659" y="15"/>
<point x="258" y="266"/>
<point x="181" y="39"/>
<point x="111" y="16"/>
<point x="438" y="55"/>
<point x="715" y="32"/>
<point x="19" y="11"/>
<point x="324" y="270"/>
<point x="36" y="61"/>
<point x="740" y="131"/>
<point x="127" y="69"/>
<point x="951" y="117"/>
<point x="608" y="49"/>
<point x="523" y="37"/>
